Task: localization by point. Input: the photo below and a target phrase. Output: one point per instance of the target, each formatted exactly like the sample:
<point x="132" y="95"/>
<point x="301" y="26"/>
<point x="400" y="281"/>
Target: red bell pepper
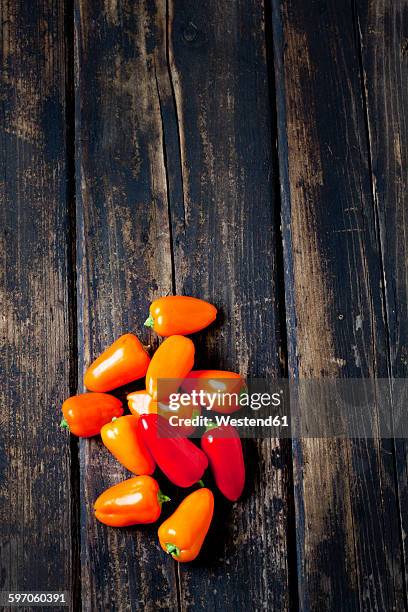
<point x="223" y="447"/>
<point x="178" y="458"/>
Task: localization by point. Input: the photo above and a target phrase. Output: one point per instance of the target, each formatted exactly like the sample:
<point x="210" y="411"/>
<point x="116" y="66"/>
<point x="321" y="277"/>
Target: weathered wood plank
<point x="349" y="544"/>
<point x="124" y="260"/>
<point x="133" y="162"/>
<point x="383" y="29"/>
<point x="215" y="86"/>
<point x="37" y="547"/>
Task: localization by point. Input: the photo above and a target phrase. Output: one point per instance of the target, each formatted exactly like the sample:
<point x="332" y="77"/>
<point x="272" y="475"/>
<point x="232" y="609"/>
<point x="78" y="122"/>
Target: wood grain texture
<point x="176" y="192"/>
<point x="383" y="35"/>
<point x="37" y="546"/>
<point x="124" y="261"/>
<point x="224" y="240"/>
<point x="346" y="501"/>
<point x="175" y="178"/>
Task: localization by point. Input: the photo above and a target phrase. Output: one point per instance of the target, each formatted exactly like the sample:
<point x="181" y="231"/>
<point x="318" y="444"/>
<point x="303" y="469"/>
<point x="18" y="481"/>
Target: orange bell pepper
<point x="173" y="359"/>
<point x="212" y="382"/>
<point x="133" y="501"/>
<point x="124" y="441"/>
<point x="122" y="362"/>
<point x="179" y="314"/>
<point x="140" y="402"/>
<point x="183" y="533"/>
<point x="85" y="414"/>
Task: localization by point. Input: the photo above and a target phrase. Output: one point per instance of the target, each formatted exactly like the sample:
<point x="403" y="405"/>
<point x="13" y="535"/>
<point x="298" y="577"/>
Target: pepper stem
<point x="149" y="321"/>
<point x="244" y="391"/>
<point x="162" y="498"/>
<point x="201" y="483"/>
<point x="64" y="424"/>
<point x="172" y="549"/>
<point x="212" y="425"/>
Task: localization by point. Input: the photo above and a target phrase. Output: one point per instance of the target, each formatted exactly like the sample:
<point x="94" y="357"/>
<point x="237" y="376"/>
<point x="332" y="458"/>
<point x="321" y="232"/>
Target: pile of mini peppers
<point x="144" y="439"/>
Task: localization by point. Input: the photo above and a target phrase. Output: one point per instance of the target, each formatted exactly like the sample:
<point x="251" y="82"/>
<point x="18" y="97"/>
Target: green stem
<point x="244" y="391"/>
<point x="201" y="483"/>
<point x="64" y="424"/>
<point x="162" y="498"/>
<point x="149" y="321"/>
<point x="173" y="550"/>
<point x="211" y="426"/>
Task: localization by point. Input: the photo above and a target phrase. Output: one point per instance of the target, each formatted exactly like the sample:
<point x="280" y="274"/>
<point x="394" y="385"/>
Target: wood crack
<point x="166" y="169"/>
<point x="273" y="73"/>
<point x="169" y="199"/>
<point x="76" y="602"/>
<point x="381" y="249"/>
<point x="364" y="94"/>
<point x="174" y="101"/>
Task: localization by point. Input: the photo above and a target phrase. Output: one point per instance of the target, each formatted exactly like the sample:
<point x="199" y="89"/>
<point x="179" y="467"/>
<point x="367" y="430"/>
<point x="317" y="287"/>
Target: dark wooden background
<point x="251" y="153"/>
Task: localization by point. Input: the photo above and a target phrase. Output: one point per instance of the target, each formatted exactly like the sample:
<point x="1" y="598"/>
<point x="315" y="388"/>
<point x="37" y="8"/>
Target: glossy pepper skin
<point x="212" y="382"/>
<point x="122" y="362"/>
<point x="86" y="414"/>
<point x="178" y="458"/>
<point x="180" y="314"/>
<point x="122" y="437"/>
<point x="173" y="360"/>
<point x="183" y="533"/>
<point x="223" y="447"/>
<point x="133" y="501"/>
<point x="140" y="402"/>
